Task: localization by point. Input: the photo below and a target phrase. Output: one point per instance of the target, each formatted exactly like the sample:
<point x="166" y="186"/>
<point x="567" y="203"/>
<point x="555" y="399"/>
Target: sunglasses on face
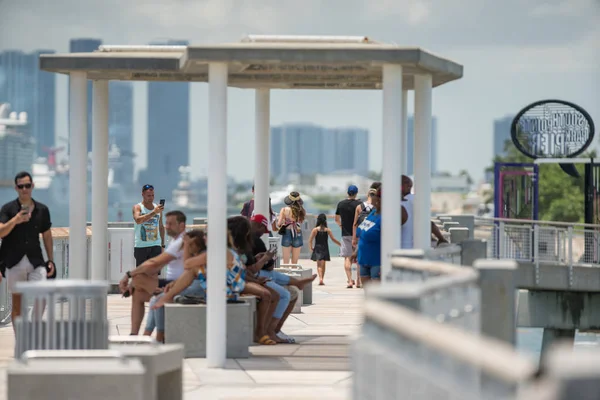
<point x="24" y="186"/>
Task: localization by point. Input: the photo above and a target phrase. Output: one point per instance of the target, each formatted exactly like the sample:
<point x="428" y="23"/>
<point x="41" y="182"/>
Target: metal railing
<point x="401" y="354"/>
<point x="425" y="337"/>
<point x="444" y="292"/>
<point x="540" y="241"/>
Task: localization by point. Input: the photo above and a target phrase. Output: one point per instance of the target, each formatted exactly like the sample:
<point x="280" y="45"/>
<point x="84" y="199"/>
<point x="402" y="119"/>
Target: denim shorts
<point x="287" y="240"/>
<point x="370" y="271"/>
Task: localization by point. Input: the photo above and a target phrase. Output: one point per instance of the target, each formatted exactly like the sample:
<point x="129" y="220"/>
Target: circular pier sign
<point x="552" y="129"/>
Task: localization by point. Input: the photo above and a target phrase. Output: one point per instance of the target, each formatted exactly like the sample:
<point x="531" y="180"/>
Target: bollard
<point x="471" y="250"/>
<point x="497" y="280"/>
<point x="76" y="316"/>
<point x="450" y="224"/>
<point x="458" y="234"/>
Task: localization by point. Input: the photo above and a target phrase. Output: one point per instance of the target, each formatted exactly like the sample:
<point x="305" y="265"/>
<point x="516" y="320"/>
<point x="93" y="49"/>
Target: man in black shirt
<point x="344" y="217"/>
<point x="21" y="223"/>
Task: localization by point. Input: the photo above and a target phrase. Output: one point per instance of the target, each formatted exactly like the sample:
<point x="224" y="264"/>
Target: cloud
<point x="564" y="8"/>
<point x="435" y="24"/>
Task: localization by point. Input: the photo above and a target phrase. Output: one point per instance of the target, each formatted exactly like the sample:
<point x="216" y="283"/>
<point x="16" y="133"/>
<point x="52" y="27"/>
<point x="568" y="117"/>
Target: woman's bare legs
<point x="321" y="271"/>
<point x="296" y="254"/>
<point x="286" y="254"/>
<point x="262" y="309"/>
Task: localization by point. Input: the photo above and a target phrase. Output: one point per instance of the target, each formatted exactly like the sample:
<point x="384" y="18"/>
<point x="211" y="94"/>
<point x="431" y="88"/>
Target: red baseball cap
<point x="261" y="219"/>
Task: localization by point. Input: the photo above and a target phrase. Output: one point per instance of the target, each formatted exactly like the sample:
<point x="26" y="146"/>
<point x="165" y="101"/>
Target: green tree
<point x="561" y="196"/>
<point x="466" y="175"/>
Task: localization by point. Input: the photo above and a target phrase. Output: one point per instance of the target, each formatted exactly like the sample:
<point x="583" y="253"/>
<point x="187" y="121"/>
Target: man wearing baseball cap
<point x="344" y="217"/>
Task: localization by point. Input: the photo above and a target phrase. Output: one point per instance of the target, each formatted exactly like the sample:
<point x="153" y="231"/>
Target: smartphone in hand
<point x="162" y="202"/>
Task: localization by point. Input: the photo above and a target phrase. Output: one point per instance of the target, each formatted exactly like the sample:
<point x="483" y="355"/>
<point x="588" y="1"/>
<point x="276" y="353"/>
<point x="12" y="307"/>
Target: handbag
<point x="282" y="230"/>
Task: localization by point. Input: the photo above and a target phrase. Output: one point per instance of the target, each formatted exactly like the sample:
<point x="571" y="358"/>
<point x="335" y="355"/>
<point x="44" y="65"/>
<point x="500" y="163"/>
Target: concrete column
<point x="422" y="160"/>
<point x="458" y="234"/>
<point x="471" y="250"/>
<point x="100" y="181"/>
<point x="392" y="151"/>
<point x="78" y="175"/>
<point x="404" y="140"/>
<point x="497" y="280"/>
<point x="261" y="162"/>
<point x="216" y="313"/>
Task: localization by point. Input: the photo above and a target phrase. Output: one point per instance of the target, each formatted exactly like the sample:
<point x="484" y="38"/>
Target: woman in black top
<point x="320" y="252"/>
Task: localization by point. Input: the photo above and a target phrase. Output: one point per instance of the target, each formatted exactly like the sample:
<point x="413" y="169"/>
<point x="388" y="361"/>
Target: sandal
<point x="286" y="338"/>
<point x="267" y="341"/>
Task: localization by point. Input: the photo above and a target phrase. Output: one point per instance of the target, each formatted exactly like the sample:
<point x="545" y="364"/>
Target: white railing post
<point x="501" y="242"/>
<point x="570" y="253"/>
<point x="536" y="252"/>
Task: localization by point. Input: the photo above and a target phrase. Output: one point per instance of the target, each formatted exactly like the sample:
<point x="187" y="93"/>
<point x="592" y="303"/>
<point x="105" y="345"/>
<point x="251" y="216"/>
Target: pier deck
<point x="317" y="367"/>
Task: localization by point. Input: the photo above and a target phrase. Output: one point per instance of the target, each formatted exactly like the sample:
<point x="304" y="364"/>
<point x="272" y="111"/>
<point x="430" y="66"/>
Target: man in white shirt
<point x="408" y="199"/>
<point x="146" y="281"/>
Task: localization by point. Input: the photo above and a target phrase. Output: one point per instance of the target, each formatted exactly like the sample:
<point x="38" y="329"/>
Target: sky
<point x="514" y="52"/>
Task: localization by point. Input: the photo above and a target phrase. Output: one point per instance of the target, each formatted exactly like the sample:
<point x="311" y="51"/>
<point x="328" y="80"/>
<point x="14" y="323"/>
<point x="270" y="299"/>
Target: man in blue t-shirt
<point x="368" y="252"/>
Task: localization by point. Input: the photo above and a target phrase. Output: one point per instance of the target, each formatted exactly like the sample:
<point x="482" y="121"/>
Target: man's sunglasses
<point x="24" y="186"/>
<point x="148" y="187"/>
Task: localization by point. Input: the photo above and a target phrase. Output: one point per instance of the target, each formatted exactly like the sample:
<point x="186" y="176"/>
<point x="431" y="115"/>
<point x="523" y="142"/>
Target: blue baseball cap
<point x="352" y="189"/>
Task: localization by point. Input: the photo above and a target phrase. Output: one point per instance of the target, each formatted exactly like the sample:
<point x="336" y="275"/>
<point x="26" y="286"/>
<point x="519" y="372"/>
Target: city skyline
<point x="28" y="89"/>
<point x="304" y="149"/>
<point x="552" y="51"/>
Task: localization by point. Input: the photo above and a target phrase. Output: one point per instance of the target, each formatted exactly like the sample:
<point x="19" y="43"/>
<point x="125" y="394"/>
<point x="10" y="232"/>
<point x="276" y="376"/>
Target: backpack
<point x="364" y="213"/>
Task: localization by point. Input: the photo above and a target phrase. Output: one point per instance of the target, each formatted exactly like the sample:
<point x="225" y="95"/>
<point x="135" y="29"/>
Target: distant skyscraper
<point x="120" y="127"/>
<point x="306" y="149"/>
<point x="28" y="89"/>
<point x="86" y="46"/>
<point x="168" y="132"/>
<point x="501" y="135"/>
<point x="411" y="145"/>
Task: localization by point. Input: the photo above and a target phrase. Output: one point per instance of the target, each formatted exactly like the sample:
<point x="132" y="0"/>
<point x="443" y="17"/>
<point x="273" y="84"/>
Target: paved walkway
<point x="316" y="367"/>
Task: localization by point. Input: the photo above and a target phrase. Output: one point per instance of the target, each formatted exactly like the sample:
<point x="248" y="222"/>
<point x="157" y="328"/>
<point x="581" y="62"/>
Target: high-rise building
<point x="168" y="132"/>
<point x="16" y="147"/>
<point x="307" y="149"/>
<point x="501" y="135"/>
<point x="30" y="90"/>
<point x="120" y="128"/>
<point x="411" y="145"/>
<point x="86" y="45"/>
<point x="120" y="117"/>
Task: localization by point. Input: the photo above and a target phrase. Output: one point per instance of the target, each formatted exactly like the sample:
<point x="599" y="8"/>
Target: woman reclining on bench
<point x="193" y="280"/>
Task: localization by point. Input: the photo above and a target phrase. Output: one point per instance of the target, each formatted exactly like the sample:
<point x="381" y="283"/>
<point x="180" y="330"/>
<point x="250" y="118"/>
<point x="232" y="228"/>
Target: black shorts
<point x="142" y="254"/>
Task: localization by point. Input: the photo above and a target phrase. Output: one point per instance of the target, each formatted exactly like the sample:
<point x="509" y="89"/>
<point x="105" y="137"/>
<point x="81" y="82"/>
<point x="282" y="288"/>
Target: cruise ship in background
<point x="51" y="177"/>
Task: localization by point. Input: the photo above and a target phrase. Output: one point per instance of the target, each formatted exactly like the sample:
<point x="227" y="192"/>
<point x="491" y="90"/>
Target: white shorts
<point x="24" y="271"/>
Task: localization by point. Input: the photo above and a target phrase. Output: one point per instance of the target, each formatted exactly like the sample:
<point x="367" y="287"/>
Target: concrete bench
<point x="253" y="301"/>
<point x="186" y="324"/>
<point x="300" y="273"/>
<point x="75" y="374"/>
<point x="163" y="365"/>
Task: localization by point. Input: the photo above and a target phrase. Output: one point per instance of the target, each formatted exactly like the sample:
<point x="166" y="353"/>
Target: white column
<point x="391" y="164"/>
<point x="100" y="181"/>
<point x="422" y="160"/>
<point x="78" y="175"/>
<point x="216" y="315"/>
<point x="261" y="162"/>
<point x="404" y="139"/>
